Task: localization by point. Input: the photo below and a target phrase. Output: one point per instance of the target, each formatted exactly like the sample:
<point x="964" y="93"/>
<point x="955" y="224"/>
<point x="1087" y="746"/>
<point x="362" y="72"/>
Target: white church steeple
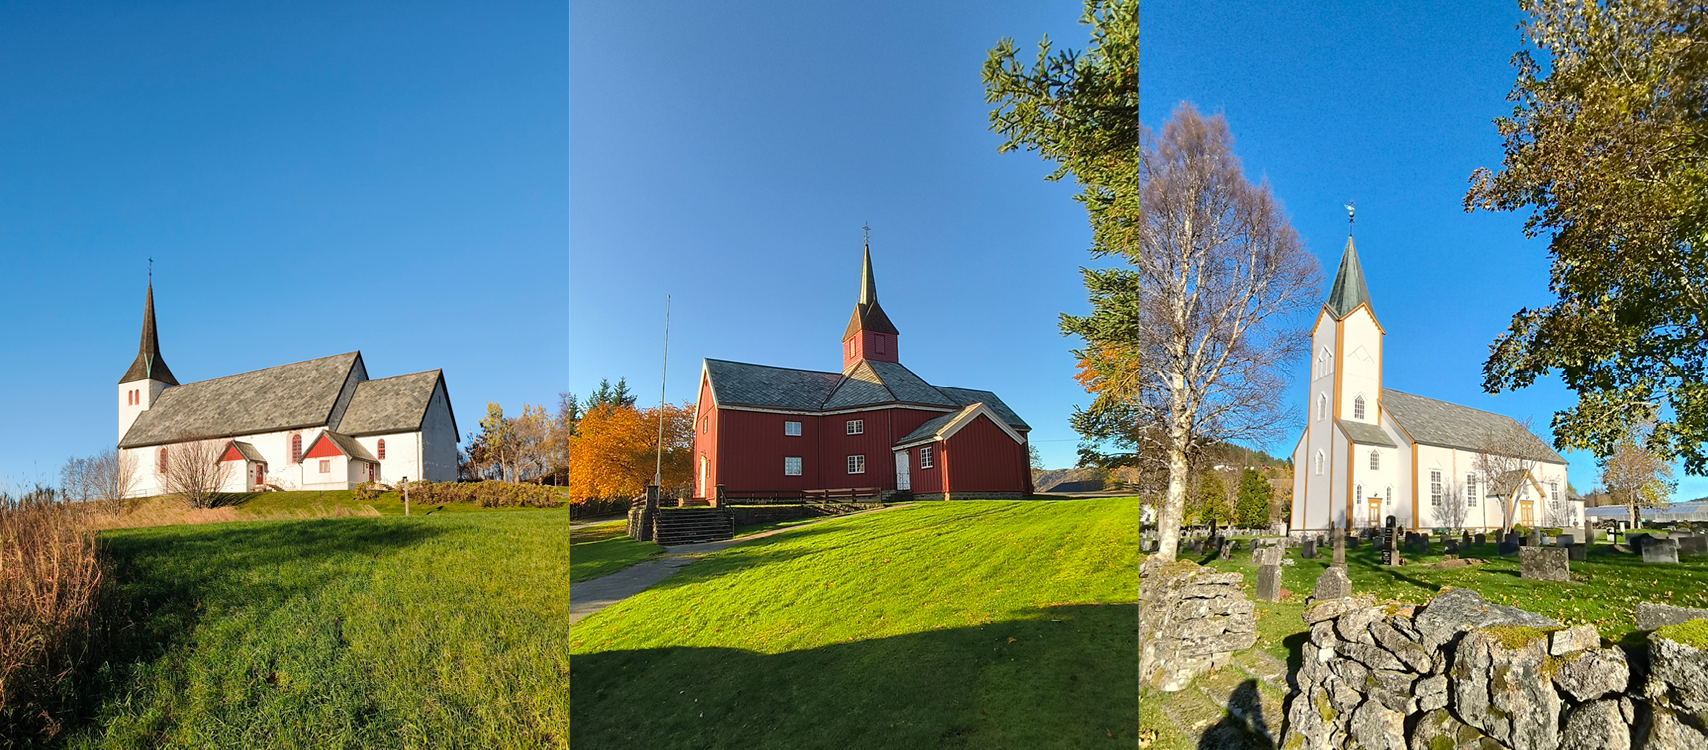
<point x="148" y="374"/>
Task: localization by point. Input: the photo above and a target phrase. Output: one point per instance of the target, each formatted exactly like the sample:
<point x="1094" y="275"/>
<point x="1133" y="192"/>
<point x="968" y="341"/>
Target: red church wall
<point x="874" y="444"/>
<point x="752" y="446"/>
<point x="981" y="457"/>
<point x="926" y="481"/>
<point x="878" y="347"/>
<point x="705" y="440"/>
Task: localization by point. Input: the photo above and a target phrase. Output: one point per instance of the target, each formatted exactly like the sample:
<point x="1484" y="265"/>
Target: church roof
<point x="286" y="397"/>
<point x="386" y="405"/>
<point x="868" y="383"/>
<point x="1348" y="291"/>
<point x="346" y="445"/>
<point x="1434" y="422"/>
<point x="1366" y="434"/>
<point x="868" y="315"/>
<point x="148" y="365"/>
<point x="948" y="424"/>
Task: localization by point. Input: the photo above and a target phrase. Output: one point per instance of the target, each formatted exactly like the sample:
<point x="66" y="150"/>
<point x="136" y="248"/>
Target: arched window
<point x="1388" y="495"/>
<point x="1375" y="460"/>
<point x="1358" y="408"/>
<point x="382" y="449"/>
<point x="1359" y="493"/>
<point x="163" y="459"/>
<point x="1322" y="406"/>
<point x="1319" y="461"/>
<point x="296" y="448"/>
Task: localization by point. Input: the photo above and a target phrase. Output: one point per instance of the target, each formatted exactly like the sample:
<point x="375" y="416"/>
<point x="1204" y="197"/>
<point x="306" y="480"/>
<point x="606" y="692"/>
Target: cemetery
<point x="1400" y="639"/>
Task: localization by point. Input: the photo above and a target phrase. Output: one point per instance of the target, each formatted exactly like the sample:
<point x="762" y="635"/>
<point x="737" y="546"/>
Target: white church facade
<point x="1370" y="453"/>
<point x="315" y="425"/>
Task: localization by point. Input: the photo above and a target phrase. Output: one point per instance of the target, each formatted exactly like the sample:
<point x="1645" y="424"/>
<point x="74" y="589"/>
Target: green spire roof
<point x="148" y="364"/>
<point x="1348" y="291"/>
<point x="868" y="316"/>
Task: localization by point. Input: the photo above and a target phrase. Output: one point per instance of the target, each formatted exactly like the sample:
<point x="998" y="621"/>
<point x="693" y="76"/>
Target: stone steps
<point x="675" y="526"/>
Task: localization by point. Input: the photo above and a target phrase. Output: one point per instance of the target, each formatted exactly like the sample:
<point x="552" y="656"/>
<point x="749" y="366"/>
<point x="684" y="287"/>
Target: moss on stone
<point x="1517" y="636"/>
<point x="1441" y="742"/>
<point x="1692" y="633"/>
<point x="1325" y="710"/>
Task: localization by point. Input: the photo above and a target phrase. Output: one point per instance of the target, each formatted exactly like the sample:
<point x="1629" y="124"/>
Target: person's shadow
<point x="1243" y="726"/>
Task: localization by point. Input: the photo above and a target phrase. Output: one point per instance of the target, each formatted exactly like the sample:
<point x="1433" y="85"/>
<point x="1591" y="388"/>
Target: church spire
<point x="1348" y="291"/>
<point x="868" y="285"/>
<point x="870" y="334"/>
<point x="148" y="364"/>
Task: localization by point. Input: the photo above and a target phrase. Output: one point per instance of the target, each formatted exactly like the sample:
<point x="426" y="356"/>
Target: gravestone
<point x="1451" y="546"/>
<point x="1352" y="542"/>
<point x="1390" y="546"/>
<point x="1228" y="548"/>
<point x="1549" y="541"/>
<point x="1332" y="584"/>
<point x="1465" y="539"/>
<point x="1269" y="583"/>
<point x="1510" y="546"/>
<point x="1693" y="545"/>
<point x="1419" y="545"/>
<point x="1565" y="540"/>
<point x="1545" y="564"/>
<point x="1535" y="538"/>
<point x="1309" y="550"/>
<point x="1340" y="550"/>
<point x="1578" y="552"/>
<point x="1660" y="551"/>
<point x="1481" y="538"/>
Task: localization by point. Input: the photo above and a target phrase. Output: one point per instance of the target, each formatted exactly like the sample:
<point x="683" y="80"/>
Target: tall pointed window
<point x="1322" y="407"/>
<point x="382" y="449"/>
<point x="1319" y="462"/>
<point x="296" y="448"/>
<point x="1358" y="408"/>
<point x="1470" y="490"/>
<point x="163" y="459"/>
<point x="1435" y="487"/>
<point x="1375" y="460"/>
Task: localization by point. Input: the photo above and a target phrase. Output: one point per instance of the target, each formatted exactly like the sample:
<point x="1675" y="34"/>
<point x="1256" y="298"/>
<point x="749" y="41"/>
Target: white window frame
<point x="791" y="428"/>
<point x="1358" y="407"/>
<point x="1359" y="493"/>
<point x="1435" y="488"/>
<point x="857" y="464"/>
<point x="856" y="426"/>
<point x="1319" y="463"/>
<point x="1553" y="490"/>
<point x="1375" y="460"/>
<point x="1322" y="406"/>
<point x="1470" y="490"/>
<point x="925" y="456"/>
<point x="326" y="466"/>
<point x="791" y="466"/>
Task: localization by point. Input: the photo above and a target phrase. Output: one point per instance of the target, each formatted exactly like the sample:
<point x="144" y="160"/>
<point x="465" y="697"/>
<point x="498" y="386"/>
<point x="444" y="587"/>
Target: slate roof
<point x="386" y="405"/>
<point x="278" y="398"/>
<point x="868" y="383"/>
<point x="248" y="452"/>
<point x="1348" y="291"/>
<point x="1434" y="422"/>
<point x="932" y="426"/>
<point x="148" y="365"/>
<point x="349" y="445"/>
<point x="868" y="315"/>
<point x="1366" y="434"/>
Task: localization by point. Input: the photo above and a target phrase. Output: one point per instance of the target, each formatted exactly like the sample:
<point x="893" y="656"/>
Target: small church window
<point x="1554" y="490"/>
<point x="1358" y="408"/>
<point x="792" y="429"/>
<point x="791" y="466"/>
<point x="925" y="457"/>
<point x="880" y="338"/>
<point x="325" y="466"/>
<point x="1319" y="462"/>
<point x="1322" y="407"/>
<point x="1359" y="493"/>
<point x="382" y="449"/>
<point x="856" y="426"/>
<point x="163" y="459"/>
<point x="1375" y="460"/>
<point x="1470" y="490"/>
<point x="1435" y="487"/>
<point x="856" y="464"/>
<point x="296" y="449"/>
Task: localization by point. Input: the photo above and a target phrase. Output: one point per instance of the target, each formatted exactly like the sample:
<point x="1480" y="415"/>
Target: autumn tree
<point x="613" y="451"/>
<point x="1606" y="149"/>
<point x="1636" y="475"/>
<point x="1507" y="458"/>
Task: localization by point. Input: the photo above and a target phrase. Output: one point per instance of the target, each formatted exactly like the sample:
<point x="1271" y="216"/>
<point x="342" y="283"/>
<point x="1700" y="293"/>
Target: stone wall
<point x="1462" y="673"/>
<point x="1191" y="620"/>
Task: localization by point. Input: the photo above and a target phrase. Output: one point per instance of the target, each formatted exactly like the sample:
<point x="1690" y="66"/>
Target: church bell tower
<point x="870" y="334"/>
<point x="148" y="375"/>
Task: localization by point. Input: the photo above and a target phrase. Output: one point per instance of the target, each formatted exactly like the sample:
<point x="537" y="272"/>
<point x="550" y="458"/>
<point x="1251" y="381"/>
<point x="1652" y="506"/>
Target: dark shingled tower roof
<point x="1348" y="291"/>
<point x="868" y="316"/>
<point x="148" y="364"/>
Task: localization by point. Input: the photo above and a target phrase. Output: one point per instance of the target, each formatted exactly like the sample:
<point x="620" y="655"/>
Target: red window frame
<point x="163" y="459"/>
<point x="381" y="450"/>
<point x="296" y="448"/>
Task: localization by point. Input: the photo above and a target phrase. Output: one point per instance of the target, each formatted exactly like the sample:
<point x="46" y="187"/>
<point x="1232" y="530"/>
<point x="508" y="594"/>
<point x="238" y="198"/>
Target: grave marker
<point x="1545" y="564"/>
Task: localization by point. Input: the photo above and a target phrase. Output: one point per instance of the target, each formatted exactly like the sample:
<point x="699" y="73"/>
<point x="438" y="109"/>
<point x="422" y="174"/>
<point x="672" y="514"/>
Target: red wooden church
<point x="874" y="428"/>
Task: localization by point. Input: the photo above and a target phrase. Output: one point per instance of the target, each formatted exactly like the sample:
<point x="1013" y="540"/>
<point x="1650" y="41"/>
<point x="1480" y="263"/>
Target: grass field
<point x="604" y="549"/>
<point x="442" y="631"/>
<point x="966" y="624"/>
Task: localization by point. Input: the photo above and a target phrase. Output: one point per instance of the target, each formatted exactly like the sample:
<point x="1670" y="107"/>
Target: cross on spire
<point x="1349" y="209"/>
<point x="868" y="229"/>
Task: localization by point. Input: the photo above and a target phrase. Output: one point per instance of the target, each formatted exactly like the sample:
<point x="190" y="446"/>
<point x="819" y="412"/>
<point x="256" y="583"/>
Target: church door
<point x="1375" y="511"/>
<point x="702" y="492"/>
<point x="903" y="480"/>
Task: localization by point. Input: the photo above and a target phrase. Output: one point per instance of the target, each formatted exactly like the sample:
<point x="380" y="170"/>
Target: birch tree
<point x="1506" y="457"/>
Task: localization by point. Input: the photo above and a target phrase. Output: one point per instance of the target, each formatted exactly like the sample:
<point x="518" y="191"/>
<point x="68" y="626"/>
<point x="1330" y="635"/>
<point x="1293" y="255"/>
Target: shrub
<point x="597" y="507"/>
<point x="368" y="491"/>
<point x="51" y="577"/>
<point x="1552" y="532"/>
<point x="486" y="494"/>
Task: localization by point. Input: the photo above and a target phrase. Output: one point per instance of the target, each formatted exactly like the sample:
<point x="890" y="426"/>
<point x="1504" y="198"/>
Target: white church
<point x="1370" y="453"/>
<point x="314" y="425"/>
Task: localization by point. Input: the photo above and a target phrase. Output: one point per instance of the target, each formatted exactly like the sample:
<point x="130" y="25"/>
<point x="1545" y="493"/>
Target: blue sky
<point x="728" y="154"/>
<point x="310" y="179"/>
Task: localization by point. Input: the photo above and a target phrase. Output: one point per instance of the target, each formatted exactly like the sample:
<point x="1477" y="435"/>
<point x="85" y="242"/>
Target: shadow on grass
<point x="1243" y="726"/>
<point x="164" y="579"/>
<point x="1059" y="676"/>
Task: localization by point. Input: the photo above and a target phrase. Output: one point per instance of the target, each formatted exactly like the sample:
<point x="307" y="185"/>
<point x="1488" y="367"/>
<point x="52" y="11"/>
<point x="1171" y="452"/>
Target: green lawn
<point x="603" y="549"/>
<point x="966" y="624"/>
<point x="441" y="631"/>
<point x="319" y="503"/>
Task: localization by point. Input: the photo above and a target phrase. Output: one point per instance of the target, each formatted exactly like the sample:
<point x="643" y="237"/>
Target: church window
<point x="325" y="466"/>
<point x="925" y="457"/>
<point x="296" y="448"/>
<point x="1359" y="493"/>
<point x="1375" y="460"/>
<point x="1435" y="487"/>
<point x="856" y="464"/>
<point x="1358" y="408"/>
<point x="1554" y="490"/>
<point x="791" y="466"/>
<point x="792" y="428"/>
<point x="163" y="459"/>
<point x="1388" y="495"/>
<point x="382" y="449"/>
<point x="1319" y="461"/>
<point x="1322" y="406"/>
<point x="880" y="338"/>
<point x="856" y="426"/>
<point x="1470" y="490"/>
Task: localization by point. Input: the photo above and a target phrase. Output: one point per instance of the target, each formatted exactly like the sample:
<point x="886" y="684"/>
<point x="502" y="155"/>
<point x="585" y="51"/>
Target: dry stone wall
<point x="1191" y="620"/>
<point x="1461" y="673"/>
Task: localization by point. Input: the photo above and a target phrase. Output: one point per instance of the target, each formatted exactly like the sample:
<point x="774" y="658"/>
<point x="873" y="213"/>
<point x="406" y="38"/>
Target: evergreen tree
<point x="608" y="395"/>
<point x="1254" y="495"/>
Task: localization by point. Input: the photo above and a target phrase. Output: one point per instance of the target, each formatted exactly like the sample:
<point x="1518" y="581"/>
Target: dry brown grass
<point x="166" y="510"/>
<point x="51" y="577"/>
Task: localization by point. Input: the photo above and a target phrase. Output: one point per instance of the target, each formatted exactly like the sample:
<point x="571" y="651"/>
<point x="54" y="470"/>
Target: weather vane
<point x="868" y="228"/>
<point x="1349" y="206"/>
<point x="151" y="269"/>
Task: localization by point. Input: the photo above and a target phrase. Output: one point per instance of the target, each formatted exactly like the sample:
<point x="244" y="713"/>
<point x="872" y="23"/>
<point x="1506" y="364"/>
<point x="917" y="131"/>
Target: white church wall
<point x="1379" y="482"/>
<point x="401" y="450"/>
<point x="329" y="473"/>
<point x="147" y="392"/>
<point x="1360" y="366"/>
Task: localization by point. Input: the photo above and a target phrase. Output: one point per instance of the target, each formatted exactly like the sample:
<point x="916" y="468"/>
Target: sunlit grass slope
<point x="967" y="624"/>
<point x="443" y="631"/>
<point x="603" y="549"/>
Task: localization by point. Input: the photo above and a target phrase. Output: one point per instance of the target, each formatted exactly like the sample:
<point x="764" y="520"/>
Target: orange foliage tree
<point x="612" y="452"/>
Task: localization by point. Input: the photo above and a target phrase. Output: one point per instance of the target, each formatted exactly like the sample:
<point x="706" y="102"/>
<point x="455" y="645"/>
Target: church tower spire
<point x="148" y="364"/>
<point x="870" y="334"/>
<point x="1348" y="291"/>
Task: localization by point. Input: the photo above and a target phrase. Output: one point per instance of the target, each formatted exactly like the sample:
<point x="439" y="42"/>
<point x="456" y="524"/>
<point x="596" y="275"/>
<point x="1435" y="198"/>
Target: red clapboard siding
<point x="231" y="454"/>
<point x="752" y="447"/>
<point x="323" y="448"/>
<point x="986" y="459"/>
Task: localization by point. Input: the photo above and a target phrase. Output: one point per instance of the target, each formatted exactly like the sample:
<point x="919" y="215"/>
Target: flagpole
<point x="663" y="371"/>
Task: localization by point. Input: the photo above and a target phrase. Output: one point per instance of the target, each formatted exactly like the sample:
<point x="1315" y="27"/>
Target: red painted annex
<point x="773" y="431"/>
